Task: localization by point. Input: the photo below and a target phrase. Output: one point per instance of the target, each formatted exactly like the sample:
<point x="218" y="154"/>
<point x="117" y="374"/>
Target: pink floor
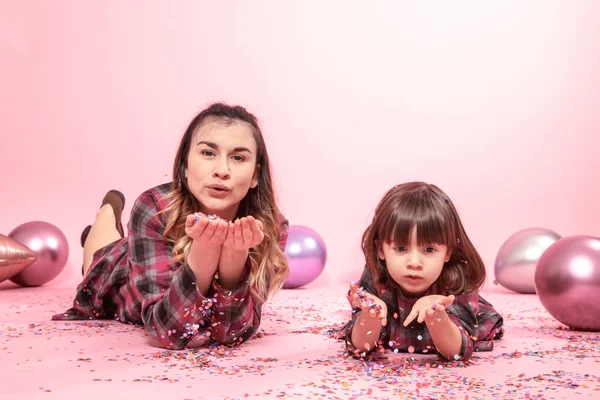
<point x="292" y="357"/>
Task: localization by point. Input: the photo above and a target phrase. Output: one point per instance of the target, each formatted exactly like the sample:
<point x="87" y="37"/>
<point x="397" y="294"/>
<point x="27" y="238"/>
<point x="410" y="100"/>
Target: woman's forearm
<point x="203" y="260"/>
<point x="231" y="266"/>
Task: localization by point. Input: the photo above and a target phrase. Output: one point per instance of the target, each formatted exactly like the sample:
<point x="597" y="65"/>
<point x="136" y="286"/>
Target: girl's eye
<point x="430" y="249"/>
<point x="400" y="248"/>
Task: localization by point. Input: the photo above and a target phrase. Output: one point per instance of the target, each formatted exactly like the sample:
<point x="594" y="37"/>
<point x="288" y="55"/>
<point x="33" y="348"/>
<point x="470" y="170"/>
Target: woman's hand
<point x="244" y="234"/>
<point x="206" y="229"/>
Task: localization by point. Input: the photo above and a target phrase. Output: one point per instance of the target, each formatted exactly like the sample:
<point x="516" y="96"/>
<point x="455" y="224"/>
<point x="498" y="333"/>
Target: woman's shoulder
<point x="160" y="191"/>
<point x="155" y="196"/>
<point x="145" y="213"/>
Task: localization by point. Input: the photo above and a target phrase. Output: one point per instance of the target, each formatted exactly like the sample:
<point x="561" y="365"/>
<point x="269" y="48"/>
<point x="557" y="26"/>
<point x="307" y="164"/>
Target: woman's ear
<point x="255" y="177"/>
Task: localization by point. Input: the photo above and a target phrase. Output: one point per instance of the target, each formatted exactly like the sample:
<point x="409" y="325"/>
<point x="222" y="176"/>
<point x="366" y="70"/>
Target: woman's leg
<point x="102" y="233"/>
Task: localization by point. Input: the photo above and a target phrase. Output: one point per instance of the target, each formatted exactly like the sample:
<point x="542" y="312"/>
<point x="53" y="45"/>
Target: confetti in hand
<point x="208" y="229"/>
<point x="211" y="217"/>
<point x="370" y="304"/>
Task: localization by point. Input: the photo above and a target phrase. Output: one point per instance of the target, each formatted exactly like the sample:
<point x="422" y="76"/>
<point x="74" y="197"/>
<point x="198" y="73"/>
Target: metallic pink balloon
<point x="306" y="254"/>
<point x="51" y="247"/>
<point x="567" y="281"/>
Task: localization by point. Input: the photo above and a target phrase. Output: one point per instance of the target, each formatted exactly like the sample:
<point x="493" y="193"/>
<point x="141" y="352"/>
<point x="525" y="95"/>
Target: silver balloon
<point x="516" y="260"/>
<point x="567" y="280"/>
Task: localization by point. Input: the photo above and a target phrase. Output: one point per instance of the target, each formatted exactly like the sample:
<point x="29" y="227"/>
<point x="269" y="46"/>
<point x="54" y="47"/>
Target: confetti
<point x="296" y="353"/>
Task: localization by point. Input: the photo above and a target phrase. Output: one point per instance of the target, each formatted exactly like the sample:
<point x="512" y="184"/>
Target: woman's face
<point x="221" y="166"/>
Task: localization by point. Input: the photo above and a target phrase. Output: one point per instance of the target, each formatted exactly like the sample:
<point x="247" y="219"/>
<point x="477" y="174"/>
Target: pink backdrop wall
<point x="496" y="103"/>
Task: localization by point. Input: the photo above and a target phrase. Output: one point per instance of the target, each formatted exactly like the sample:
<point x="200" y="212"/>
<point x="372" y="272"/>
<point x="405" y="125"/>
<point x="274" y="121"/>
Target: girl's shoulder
<point x="461" y="297"/>
<point x="370" y="284"/>
<point x="470" y="298"/>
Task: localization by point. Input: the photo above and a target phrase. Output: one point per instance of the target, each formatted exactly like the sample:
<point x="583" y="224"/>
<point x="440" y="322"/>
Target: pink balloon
<point x="567" y="281"/>
<point x="50" y="246"/>
<point x="306" y="254"/>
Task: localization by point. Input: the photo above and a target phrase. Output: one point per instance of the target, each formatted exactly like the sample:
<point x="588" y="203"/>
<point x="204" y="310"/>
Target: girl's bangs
<point x="432" y="227"/>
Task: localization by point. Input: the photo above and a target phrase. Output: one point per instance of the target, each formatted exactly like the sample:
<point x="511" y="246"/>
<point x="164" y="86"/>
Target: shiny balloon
<point x="517" y="258"/>
<point x="306" y="254"/>
<point x="14" y="257"/>
<point x="567" y="280"/>
<point x="51" y="247"/>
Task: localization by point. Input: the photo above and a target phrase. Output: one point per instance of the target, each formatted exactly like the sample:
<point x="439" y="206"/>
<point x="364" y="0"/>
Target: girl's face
<point x="415" y="268"/>
<point x="221" y="167"/>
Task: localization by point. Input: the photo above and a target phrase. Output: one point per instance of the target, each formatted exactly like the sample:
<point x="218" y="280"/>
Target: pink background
<point x="496" y="103"/>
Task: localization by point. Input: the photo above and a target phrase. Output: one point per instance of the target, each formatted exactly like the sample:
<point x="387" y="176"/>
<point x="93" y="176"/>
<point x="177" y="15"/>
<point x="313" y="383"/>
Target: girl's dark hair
<point x="428" y="209"/>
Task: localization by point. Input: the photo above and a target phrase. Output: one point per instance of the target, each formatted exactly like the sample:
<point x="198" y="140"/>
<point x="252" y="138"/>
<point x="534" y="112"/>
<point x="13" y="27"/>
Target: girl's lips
<point x="218" y="187"/>
<point x="413" y="279"/>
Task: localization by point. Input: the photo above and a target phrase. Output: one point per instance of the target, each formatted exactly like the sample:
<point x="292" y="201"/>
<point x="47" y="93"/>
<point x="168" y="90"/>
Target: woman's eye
<point x="207" y="153"/>
<point x="238" y="158"/>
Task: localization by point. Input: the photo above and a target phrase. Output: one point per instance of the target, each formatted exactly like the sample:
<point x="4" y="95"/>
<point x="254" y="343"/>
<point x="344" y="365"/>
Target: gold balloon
<point x="14" y="257"/>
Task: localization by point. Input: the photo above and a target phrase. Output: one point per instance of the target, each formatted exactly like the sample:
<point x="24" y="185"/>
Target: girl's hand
<point x="244" y="233"/>
<point x="428" y="308"/>
<point x="370" y="305"/>
<point x="206" y="229"/>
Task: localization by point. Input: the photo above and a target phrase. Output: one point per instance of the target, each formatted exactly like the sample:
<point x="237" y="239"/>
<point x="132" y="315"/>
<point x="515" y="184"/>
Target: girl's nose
<point x="414" y="260"/>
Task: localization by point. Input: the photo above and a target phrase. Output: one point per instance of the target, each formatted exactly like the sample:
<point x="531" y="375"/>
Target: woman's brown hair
<point x="269" y="268"/>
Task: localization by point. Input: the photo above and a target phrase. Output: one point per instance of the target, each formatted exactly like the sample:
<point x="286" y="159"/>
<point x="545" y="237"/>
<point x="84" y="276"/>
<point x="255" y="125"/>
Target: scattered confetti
<point x="297" y="353"/>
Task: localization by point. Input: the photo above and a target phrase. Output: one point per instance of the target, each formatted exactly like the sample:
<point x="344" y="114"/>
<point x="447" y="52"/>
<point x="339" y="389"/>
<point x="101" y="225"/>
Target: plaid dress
<point x="479" y="323"/>
<point x="131" y="280"/>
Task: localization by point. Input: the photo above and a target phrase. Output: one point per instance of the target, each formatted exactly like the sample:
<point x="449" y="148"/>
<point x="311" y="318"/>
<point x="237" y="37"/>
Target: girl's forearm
<point x="446" y="336"/>
<point x="366" y="332"/>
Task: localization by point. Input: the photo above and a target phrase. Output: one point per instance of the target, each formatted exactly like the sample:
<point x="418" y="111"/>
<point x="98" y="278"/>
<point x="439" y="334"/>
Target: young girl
<point x="203" y="251"/>
<point x="419" y="290"/>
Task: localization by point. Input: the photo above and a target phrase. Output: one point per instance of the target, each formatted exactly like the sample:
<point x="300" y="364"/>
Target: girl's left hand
<point x="426" y="308"/>
<point x="244" y="233"/>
